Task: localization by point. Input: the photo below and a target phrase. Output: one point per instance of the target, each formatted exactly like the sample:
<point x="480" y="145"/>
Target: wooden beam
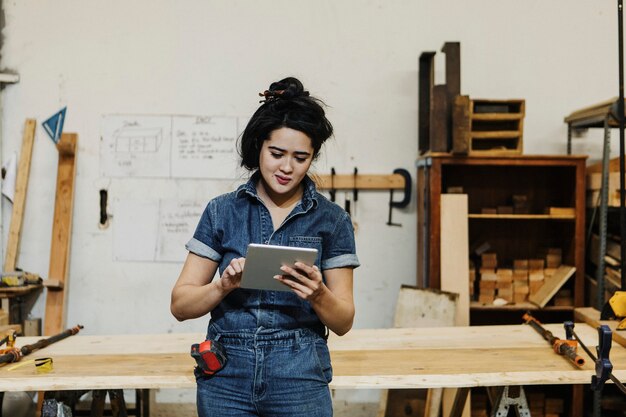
<point x="591" y="316"/>
<point x="426" y="81"/>
<point x="61" y="234"/>
<point x="360" y="182"/>
<point x="551" y="285"/>
<point x="19" y="199"/>
<point x="455" y="274"/>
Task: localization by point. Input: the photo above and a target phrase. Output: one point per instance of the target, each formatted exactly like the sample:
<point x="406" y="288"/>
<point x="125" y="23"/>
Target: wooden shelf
<point x="550" y="184"/>
<point x="593" y="116"/>
<point x="523" y="216"/>
<point x="10" y="292"/>
<point x="475" y="305"/>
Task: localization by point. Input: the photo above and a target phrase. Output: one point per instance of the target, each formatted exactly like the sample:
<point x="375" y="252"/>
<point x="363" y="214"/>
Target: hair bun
<point x="285" y="89"/>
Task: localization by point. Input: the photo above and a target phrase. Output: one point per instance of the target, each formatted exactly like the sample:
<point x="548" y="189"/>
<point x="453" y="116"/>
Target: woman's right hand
<point x="231" y="278"/>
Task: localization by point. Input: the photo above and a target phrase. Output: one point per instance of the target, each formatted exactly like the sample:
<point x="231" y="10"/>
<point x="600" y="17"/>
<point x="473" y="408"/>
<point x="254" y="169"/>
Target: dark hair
<point x="286" y="104"/>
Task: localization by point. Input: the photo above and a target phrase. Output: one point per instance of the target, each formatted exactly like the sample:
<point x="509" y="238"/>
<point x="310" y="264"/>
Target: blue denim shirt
<point x="231" y="221"/>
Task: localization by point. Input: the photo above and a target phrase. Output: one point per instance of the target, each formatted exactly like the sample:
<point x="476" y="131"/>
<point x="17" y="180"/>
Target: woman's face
<point x="284" y="160"/>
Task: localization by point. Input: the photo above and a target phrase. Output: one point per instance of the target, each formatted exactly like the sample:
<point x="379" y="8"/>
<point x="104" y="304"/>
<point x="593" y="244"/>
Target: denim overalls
<point x="278" y="361"/>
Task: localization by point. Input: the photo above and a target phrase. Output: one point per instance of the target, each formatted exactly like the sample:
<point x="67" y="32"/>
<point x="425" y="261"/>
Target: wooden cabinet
<point x="490" y="183"/>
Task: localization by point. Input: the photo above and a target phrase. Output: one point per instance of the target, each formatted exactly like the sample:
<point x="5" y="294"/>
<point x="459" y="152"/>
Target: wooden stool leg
<point x="145" y="394"/>
<point x="118" y="405"/>
<point x="459" y="402"/>
<point x="97" y="403"/>
<point x="433" y="402"/>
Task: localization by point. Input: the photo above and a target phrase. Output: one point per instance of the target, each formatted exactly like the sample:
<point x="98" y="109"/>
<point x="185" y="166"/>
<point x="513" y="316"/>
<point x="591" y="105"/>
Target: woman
<point x="275" y="341"/>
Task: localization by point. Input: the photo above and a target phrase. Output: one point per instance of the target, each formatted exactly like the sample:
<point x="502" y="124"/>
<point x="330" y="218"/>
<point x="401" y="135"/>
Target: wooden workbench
<point x="364" y="358"/>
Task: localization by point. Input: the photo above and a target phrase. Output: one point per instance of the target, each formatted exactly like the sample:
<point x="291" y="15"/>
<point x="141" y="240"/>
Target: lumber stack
<point x="612" y="262"/>
<point x="594" y="185"/>
<point x="519" y="283"/>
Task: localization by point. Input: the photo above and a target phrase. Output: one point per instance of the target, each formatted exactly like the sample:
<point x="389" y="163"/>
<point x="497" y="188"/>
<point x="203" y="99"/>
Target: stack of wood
<point x="612" y="262"/>
<point x="520" y="280"/>
<point x="488" y="278"/>
<point x="594" y="185"/>
<point x="516" y="285"/>
<point x="518" y="204"/>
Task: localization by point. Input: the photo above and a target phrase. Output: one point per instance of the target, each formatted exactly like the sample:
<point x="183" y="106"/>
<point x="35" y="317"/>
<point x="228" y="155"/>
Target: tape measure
<point x="42" y="365"/>
<point x="209" y="355"/>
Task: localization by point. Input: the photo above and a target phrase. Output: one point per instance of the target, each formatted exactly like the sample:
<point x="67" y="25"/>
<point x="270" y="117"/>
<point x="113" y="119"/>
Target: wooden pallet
<point x="487" y="127"/>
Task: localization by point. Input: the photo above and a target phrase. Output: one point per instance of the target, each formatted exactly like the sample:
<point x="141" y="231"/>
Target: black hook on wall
<point x="104" y="217"/>
<point x="332" y="190"/>
<point x="406" y="199"/>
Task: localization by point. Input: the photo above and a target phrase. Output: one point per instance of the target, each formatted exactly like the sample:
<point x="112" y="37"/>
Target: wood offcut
<point x="61" y="234"/>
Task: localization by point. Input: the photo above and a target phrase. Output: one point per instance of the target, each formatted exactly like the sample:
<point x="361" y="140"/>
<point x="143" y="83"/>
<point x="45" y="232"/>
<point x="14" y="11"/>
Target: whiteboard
<point x="152" y="146"/>
<point x="154" y="230"/>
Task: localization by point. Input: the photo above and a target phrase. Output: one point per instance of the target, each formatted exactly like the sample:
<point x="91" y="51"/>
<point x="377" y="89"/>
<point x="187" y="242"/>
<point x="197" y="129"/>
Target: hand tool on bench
<point x="615" y="308"/>
<point x="604" y="368"/>
<point x="16" y="354"/>
<point x="565" y="347"/>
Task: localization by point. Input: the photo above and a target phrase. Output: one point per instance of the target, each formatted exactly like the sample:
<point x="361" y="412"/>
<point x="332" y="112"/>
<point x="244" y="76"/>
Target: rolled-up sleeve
<point x="204" y="241"/>
<point x="340" y="249"/>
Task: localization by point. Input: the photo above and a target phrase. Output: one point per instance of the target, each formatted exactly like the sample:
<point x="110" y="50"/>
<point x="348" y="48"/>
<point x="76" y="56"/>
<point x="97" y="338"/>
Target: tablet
<point x="264" y="261"/>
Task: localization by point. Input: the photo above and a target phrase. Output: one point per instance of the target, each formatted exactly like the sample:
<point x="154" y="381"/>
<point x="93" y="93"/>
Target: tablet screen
<point x="264" y="261"/>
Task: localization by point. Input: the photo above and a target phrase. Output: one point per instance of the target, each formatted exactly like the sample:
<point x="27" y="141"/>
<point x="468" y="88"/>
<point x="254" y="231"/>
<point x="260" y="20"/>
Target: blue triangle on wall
<point x="54" y="125"/>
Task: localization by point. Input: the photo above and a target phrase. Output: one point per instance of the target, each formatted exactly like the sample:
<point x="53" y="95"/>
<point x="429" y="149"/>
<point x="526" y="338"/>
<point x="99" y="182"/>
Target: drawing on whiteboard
<point x="155" y="230"/>
<point x="130" y="139"/>
<point x="169" y="146"/>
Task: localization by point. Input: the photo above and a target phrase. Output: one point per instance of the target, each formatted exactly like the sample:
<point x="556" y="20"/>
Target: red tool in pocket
<point x="209" y="355"/>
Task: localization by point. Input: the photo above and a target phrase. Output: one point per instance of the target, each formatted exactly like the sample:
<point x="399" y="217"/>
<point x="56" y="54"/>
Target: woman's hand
<point x="231" y="278"/>
<point x="307" y="284"/>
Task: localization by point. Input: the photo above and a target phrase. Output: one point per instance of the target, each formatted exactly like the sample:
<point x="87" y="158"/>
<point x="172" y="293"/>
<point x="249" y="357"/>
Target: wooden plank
<point x="497" y="116"/>
<point x="425" y="307"/>
<point x="461" y="125"/>
<point x="439" y="120"/>
<point x="452" y="50"/>
<point x="19" y="199"/>
<point x="455" y="268"/>
<point x="400" y="358"/>
<point x="495" y="134"/>
<point x="593" y="114"/>
<point x="361" y="182"/>
<point x="455" y="252"/>
<point x="419" y="308"/>
<point x="54" y="284"/>
<point x="453" y="68"/>
<point x="426" y="82"/>
<point x="4" y="329"/>
<point x="551" y="285"/>
<point x="613" y="167"/>
<point x="10" y="292"/>
<point x="591" y="316"/>
<point x="61" y="234"/>
<point x="523" y="216"/>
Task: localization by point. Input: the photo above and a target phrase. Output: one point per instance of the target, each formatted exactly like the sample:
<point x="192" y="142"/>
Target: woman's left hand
<point x="304" y="280"/>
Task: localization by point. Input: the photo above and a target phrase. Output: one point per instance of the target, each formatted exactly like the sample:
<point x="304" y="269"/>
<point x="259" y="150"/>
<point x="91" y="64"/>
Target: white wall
<point x="208" y="57"/>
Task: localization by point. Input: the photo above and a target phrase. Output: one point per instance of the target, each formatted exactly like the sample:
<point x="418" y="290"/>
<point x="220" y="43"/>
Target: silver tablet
<point x="264" y="261"/>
